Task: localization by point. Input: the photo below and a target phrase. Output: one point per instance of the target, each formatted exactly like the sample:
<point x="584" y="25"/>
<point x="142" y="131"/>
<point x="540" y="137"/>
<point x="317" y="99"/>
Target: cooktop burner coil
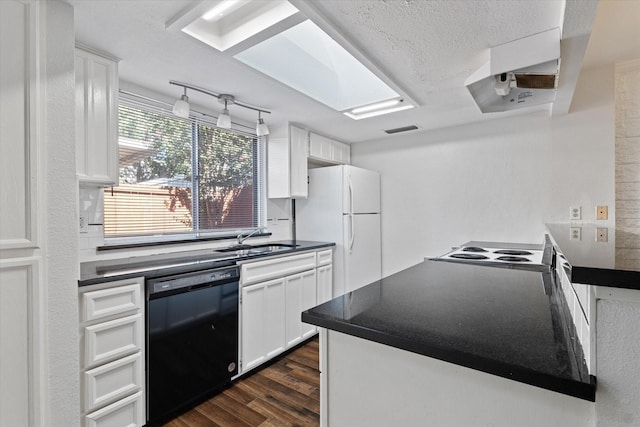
<point x="512" y="252"/>
<point x="513" y="258"/>
<point x="469" y="256"/>
<point x="474" y="249"/>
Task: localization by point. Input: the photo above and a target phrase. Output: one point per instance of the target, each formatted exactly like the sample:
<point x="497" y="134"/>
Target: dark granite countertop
<point x="609" y="263"/>
<point x="495" y="320"/>
<point x="174" y="263"/>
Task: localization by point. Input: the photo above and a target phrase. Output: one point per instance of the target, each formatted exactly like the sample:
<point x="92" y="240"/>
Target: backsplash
<point x="91" y="235"/>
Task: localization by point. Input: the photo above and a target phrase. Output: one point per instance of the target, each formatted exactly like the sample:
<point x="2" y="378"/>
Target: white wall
<point x="499" y="180"/>
<point x="61" y="218"/>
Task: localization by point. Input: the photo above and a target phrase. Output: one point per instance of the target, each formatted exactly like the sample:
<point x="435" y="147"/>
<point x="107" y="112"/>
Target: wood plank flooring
<point x="285" y="393"/>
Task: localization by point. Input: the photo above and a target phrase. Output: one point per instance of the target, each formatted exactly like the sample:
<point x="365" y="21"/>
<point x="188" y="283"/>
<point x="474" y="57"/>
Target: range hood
<point x="521" y="73"/>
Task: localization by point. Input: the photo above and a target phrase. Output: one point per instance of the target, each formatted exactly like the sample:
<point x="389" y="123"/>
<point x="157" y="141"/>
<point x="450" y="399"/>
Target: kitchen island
<point x="452" y="345"/>
<point x="602" y="280"/>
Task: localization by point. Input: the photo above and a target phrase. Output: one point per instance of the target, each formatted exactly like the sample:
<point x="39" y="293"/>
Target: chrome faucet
<point x="241" y="239"/>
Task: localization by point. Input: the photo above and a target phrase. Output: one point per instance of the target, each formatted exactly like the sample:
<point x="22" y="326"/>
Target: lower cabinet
<point x="263" y="322"/>
<point x="300" y="295"/>
<point x="274" y="293"/>
<point x="112" y="354"/>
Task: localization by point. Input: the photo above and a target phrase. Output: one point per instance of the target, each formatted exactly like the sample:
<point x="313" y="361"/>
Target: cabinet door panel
<point x="260" y="271"/>
<point x="320" y="147"/>
<point x="298" y="290"/>
<point x="309" y="290"/>
<point x="275" y="318"/>
<point x="325" y="257"/>
<point x="107" y="341"/>
<point x="263" y="317"/>
<point x="325" y="281"/>
<point x="118" y="300"/>
<point x="112" y="381"/>
<point x="96" y="118"/>
<point x="253" y="314"/>
<point x="126" y="412"/>
<point x="299" y="151"/>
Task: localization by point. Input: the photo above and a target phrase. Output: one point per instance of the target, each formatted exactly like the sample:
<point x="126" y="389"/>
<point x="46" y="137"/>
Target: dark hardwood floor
<point x="285" y="393"/>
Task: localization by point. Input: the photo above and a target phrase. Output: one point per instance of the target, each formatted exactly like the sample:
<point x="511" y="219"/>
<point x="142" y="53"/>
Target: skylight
<point x="232" y="22"/>
<point x="305" y="58"/>
<point x="275" y="38"/>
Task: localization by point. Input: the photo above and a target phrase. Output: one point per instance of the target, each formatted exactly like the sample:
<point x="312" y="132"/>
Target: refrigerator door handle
<point x="352" y="234"/>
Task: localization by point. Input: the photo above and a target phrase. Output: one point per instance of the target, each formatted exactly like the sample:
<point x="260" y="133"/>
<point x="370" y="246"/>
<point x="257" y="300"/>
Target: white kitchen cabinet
<point x="112" y="353"/>
<point x="263" y="322"/>
<point x="287" y="165"/>
<point x="327" y="150"/>
<point x="341" y="153"/>
<point x="300" y="295"/>
<point x="320" y="147"/>
<point x="96" y="95"/>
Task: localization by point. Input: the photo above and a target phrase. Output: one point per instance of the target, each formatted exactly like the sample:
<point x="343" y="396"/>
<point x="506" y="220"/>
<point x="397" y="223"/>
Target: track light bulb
<point x="224" y="120"/>
<point x="261" y="128"/>
<point x="181" y="108"/>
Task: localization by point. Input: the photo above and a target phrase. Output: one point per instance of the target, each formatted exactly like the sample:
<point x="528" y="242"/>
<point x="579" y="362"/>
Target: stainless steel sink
<point x="257" y="249"/>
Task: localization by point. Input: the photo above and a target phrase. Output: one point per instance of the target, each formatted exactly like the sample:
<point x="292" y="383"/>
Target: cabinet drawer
<point x="126" y="412"/>
<point x="112" y="381"/>
<point x="113" y="301"/>
<point x="278" y="267"/>
<point x="107" y="341"/>
<point x="325" y="257"/>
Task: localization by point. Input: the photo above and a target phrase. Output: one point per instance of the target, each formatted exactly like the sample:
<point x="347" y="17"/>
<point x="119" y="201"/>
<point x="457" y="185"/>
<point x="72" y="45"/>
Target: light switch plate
<point x="576" y="233"/>
<point x="602" y="212"/>
<point x="575" y="213"/>
<point x="602" y="234"/>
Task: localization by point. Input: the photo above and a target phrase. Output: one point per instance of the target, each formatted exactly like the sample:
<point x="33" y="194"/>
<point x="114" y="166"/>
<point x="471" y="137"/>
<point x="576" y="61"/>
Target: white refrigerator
<point x="343" y="206"/>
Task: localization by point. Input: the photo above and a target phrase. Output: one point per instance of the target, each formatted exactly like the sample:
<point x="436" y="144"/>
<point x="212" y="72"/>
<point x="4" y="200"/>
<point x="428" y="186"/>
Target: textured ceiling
<point x="428" y="48"/>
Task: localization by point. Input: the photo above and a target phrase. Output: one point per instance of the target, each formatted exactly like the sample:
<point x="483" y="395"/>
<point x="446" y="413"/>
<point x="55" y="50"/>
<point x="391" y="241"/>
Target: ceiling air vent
<point x="402" y="129"/>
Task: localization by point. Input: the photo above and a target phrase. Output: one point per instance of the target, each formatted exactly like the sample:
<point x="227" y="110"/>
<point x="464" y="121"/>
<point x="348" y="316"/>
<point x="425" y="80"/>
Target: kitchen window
<point x="182" y="178"/>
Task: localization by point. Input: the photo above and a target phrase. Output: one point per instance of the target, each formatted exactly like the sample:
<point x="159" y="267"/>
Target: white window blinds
<point x="183" y="176"/>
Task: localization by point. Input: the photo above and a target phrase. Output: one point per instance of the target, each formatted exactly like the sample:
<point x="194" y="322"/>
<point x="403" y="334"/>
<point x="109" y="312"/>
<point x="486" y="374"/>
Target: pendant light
<point x="261" y="128"/>
<point x="181" y="107"/>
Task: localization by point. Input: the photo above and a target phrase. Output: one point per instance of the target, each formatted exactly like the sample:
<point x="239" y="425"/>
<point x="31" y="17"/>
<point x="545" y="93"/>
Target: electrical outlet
<point x="84" y="227"/>
<point x="575" y="213"/>
<point x="602" y="234"/>
<point x="576" y="233"/>
<point x="602" y="212"/>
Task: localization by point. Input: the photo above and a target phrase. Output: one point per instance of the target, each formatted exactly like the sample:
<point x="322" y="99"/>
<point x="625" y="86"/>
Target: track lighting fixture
<point x="181" y="108"/>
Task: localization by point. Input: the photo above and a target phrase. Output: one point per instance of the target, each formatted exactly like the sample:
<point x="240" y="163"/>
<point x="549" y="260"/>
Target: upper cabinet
<point x="327" y="150"/>
<point x="287" y="165"/>
<point x="289" y="157"/>
<point x="96" y="118"/>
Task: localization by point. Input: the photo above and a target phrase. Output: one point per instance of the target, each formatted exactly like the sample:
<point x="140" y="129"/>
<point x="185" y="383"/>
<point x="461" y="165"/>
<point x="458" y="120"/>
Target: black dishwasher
<point x="192" y="338"/>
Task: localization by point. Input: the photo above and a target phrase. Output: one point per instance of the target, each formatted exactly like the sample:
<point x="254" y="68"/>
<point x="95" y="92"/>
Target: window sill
<point x="171" y="242"/>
